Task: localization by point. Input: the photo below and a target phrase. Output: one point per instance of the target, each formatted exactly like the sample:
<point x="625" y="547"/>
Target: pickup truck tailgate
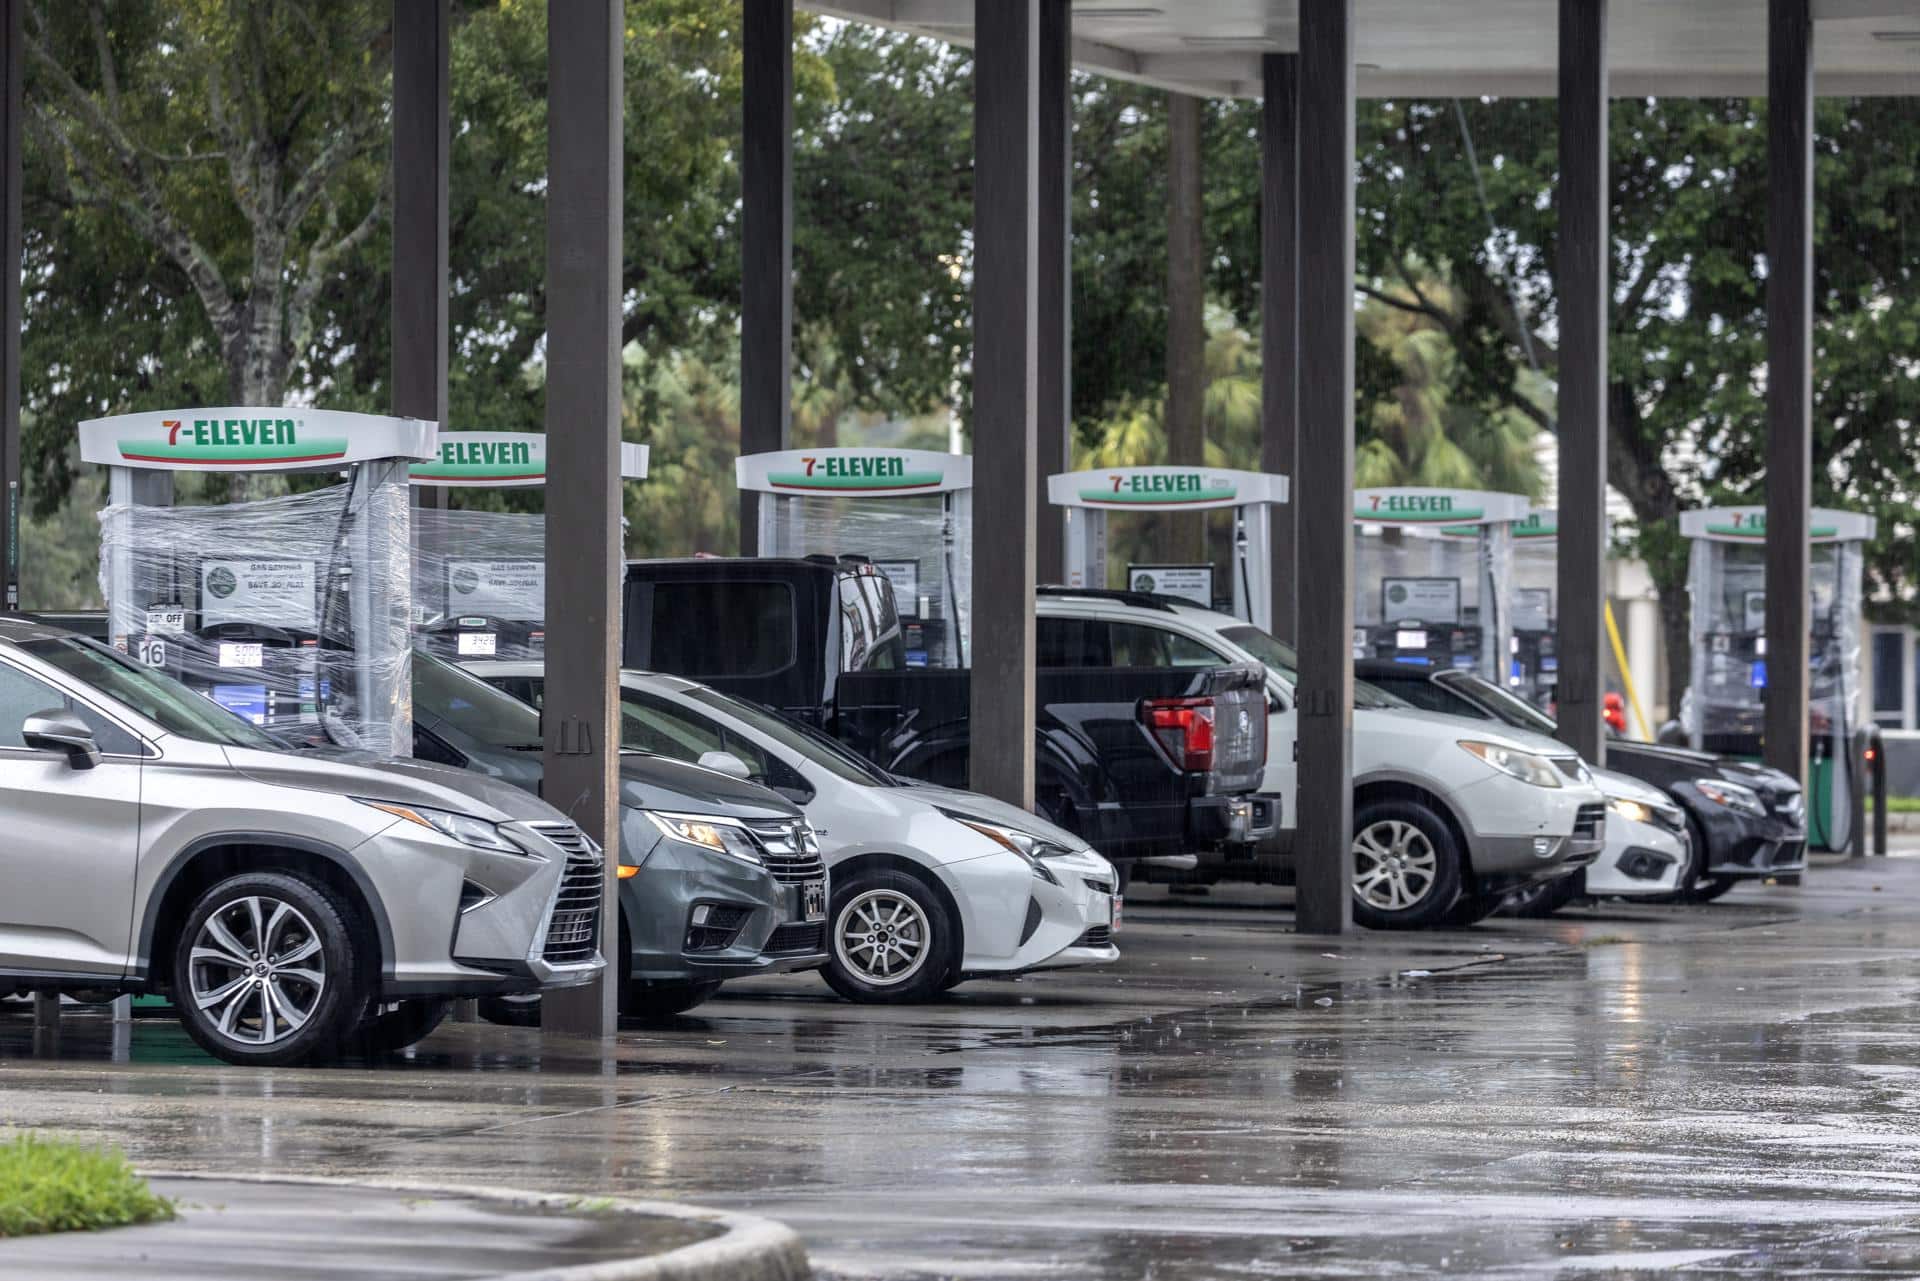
<point x="1239" y="732"/>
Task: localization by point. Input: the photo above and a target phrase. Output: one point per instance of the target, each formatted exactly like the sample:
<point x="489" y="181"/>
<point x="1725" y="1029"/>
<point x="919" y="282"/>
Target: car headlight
<point x="721" y="835"/>
<point x="1028" y="846"/>
<point x="464" y="828"/>
<point x="1525" y="766"/>
<point x="1633" y="810"/>
<point x="1741" y="800"/>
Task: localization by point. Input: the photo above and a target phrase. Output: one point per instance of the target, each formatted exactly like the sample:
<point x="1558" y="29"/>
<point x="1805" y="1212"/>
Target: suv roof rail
<point x="1144" y="600"/>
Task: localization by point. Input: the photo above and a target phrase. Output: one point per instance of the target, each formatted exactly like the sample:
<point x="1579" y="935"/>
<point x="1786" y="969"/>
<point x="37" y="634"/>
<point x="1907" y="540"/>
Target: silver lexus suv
<point x="294" y="904"/>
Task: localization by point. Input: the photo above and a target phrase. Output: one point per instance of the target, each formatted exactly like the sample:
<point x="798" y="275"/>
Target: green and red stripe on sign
<point x="319" y="450"/>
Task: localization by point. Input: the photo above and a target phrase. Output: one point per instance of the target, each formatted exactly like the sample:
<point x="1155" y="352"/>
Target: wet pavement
<point x="1721" y="1090"/>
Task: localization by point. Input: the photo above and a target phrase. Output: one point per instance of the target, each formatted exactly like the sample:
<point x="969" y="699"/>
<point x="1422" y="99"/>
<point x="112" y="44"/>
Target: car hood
<point x="1394" y="720"/>
<point x="988" y="810"/>
<point x="1663" y="752"/>
<point x="651" y="782"/>
<point x="408" y="782"/>
<point x="1618" y="786"/>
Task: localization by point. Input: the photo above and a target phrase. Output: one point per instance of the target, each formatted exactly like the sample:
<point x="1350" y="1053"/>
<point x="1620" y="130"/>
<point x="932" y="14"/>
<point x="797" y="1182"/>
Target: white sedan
<point x="1645" y="855"/>
<point x="928" y="886"/>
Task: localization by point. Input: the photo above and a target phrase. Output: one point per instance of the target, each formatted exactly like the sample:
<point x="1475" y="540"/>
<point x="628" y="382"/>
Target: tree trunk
<point x="1650" y="493"/>
<point x="1185" y="534"/>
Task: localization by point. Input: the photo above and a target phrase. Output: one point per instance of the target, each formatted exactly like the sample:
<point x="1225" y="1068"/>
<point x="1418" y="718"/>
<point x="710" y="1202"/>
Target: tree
<point x="239" y="143"/>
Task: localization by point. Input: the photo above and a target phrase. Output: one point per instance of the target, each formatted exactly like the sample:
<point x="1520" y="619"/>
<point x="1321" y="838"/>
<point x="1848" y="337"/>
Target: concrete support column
<point x="1055" y="272"/>
<point x="1280" y="317"/>
<point x="1643" y="653"/>
<point x="1323" y="841"/>
<point x="421" y="93"/>
<point x="1006" y="202"/>
<point x="1185" y="540"/>
<point x="766" y="240"/>
<point x="1789" y="377"/>
<point x="12" y="106"/>
<point x="1582" y="285"/>
<point x="581" y="721"/>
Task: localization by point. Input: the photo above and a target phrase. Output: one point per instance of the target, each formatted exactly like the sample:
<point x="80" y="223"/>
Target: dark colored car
<point x="1744" y="821"/>
<point x="720" y="878"/>
<point x="1136" y="761"/>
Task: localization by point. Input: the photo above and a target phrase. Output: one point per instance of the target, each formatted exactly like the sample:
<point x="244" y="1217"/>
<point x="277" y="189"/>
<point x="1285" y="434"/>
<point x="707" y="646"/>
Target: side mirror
<point x="58" y="730"/>
<point x="725" y="763"/>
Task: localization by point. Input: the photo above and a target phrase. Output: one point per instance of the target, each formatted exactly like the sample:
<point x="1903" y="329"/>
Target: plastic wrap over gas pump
<point x="1723" y="709"/>
<point x="1432" y="578"/>
<point x="909" y="511"/>
<point x="480" y="584"/>
<point x="291" y="612"/>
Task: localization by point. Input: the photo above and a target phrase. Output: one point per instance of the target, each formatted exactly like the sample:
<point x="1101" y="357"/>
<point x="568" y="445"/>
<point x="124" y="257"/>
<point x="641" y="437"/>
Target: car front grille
<point x="790" y="850"/>
<point x="573" y="928"/>
<point x="789" y="939"/>
<point x="1098" y="936"/>
<point x="1589" y="821"/>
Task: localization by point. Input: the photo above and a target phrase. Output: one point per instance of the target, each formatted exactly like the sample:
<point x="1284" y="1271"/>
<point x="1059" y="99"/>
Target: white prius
<point x="929" y="886"/>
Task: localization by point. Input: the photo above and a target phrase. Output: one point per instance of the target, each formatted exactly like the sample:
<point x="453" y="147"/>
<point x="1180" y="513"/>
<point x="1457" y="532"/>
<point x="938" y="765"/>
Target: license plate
<point x="1117" y="902"/>
<point x="813" y="900"/>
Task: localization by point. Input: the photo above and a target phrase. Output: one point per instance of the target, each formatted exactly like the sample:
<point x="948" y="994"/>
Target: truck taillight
<point x="1184" y="728"/>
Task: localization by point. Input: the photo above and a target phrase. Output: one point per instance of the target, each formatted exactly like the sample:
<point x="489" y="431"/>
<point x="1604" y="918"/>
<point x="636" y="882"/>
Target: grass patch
<point x="1898" y="805"/>
<point x="47" y="1186"/>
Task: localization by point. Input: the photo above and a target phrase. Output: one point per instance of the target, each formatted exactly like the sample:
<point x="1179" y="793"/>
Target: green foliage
<point x="48" y="1186"/>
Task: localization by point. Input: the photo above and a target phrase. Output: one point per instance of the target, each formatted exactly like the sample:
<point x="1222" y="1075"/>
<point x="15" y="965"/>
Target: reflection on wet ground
<point x="1725" y="1090"/>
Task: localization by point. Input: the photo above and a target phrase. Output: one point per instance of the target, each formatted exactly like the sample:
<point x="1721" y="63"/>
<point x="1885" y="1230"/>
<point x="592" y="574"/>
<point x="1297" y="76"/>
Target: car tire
<point x="1713" y="887"/>
<point x="1544" y="898"/>
<point x="1420" y="888"/>
<point x="267" y="970"/>
<point x="392" y="1027"/>
<point x="890" y="939"/>
<point x="655" y="1002"/>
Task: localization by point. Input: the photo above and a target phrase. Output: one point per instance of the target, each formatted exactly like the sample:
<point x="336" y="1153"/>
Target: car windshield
<point x="1509" y="708"/>
<point x="803" y="741"/>
<point x="1282" y="661"/>
<point x="166" y="702"/>
<point x="470" y="705"/>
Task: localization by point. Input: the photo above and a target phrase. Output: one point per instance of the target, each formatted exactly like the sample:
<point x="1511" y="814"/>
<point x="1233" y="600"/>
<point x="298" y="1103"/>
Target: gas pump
<point x="1535" y="673"/>
<point x="909" y="511"/>
<point x="1431" y="576"/>
<point x="480" y="580"/>
<point x="1724" y="706"/>
<point x="289" y="611"/>
<point x="1089" y="496"/>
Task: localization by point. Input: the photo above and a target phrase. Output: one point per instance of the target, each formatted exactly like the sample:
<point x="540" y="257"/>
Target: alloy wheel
<point x="257" y="970"/>
<point x="883" y="937"/>
<point x="1394" y="865"/>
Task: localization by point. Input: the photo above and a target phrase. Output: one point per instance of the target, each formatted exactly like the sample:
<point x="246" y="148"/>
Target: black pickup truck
<point x="1140" y="762"/>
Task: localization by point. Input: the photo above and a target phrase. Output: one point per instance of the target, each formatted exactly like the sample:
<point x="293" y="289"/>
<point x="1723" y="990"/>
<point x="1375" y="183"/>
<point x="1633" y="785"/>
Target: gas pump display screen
<point x="512" y="589"/>
<point x="277" y="593"/>
<point x="1188" y="582"/>
<point x="1532" y="609"/>
<point x="1420" y="600"/>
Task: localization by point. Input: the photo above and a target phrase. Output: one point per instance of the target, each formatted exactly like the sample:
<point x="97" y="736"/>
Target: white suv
<point x="1450" y="815"/>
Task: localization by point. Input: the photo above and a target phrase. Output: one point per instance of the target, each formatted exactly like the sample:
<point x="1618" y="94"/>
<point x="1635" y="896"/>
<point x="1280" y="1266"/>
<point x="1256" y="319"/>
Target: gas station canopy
<point x="1420" y="48"/>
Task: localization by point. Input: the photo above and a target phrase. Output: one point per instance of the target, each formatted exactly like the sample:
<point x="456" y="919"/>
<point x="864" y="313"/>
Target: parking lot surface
<point x="1726" y="1089"/>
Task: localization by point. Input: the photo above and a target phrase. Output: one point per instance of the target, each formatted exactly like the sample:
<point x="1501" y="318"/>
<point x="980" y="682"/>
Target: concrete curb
<point x="747" y="1248"/>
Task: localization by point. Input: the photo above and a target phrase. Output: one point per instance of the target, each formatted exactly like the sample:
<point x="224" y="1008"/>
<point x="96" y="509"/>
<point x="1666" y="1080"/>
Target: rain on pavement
<point x="1725" y="1090"/>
